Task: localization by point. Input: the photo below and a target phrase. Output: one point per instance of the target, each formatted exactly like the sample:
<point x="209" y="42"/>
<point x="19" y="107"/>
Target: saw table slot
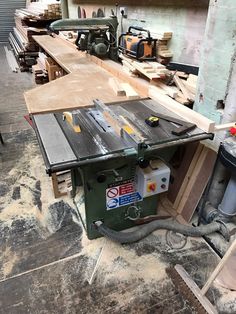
<point x="97" y="118"/>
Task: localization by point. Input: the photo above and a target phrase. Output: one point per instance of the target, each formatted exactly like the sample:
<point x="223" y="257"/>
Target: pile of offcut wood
<point x="163" y="52"/>
<point x="26" y="33"/>
<point x="151" y="70"/>
<point x="180" y="86"/>
<point x="40" y="11"/>
<point x="176" y="84"/>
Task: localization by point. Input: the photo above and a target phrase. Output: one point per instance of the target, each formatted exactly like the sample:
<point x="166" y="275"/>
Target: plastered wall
<point x="217" y="73"/>
<point x="185" y="18"/>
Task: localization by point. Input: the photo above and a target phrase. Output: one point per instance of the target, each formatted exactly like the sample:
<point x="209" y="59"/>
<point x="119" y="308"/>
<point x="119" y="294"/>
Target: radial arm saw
<point x="97" y="36"/>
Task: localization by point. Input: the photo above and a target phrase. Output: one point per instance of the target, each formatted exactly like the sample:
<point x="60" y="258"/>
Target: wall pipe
<point x="64" y="9"/>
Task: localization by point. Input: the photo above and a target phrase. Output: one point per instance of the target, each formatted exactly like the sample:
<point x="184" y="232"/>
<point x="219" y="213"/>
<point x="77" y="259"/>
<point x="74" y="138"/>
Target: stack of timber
<point x="27" y="33"/>
<point x="151" y="70"/>
<point x="164" y="54"/>
<point x="40" y="11"/>
<point x="29" y="22"/>
<point x="25" y="58"/>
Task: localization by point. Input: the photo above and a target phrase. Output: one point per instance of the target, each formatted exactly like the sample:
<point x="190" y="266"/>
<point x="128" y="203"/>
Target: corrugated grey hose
<point x="144" y="230"/>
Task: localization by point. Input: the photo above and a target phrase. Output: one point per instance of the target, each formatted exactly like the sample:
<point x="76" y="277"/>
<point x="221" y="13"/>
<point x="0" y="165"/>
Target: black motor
<point x="94" y="41"/>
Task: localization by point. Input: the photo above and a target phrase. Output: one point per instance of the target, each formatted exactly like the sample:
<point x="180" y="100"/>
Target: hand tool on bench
<point x="110" y="158"/>
<point x="183" y="128"/>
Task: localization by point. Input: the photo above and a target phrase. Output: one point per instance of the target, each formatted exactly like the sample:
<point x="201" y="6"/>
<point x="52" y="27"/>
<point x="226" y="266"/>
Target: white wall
<point x="185" y="18"/>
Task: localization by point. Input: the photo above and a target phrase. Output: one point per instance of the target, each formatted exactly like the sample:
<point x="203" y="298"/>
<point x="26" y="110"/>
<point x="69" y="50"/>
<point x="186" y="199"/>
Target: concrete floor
<point x="47" y="262"/>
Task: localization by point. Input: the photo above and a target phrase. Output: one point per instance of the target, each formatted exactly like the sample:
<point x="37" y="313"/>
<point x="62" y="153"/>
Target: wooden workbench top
<point x="64" y="53"/>
<point x="74" y="90"/>
<point x="86" y="80"/>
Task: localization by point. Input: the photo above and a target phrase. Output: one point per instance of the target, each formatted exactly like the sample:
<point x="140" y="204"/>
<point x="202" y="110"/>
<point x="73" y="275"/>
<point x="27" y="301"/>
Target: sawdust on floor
<point x="10" y="259"/>
<point x="36" y="194"/>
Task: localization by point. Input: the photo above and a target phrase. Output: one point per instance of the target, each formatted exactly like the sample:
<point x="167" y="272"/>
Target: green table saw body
<point x="113" y="169"/>
<point x="117" y="173"/>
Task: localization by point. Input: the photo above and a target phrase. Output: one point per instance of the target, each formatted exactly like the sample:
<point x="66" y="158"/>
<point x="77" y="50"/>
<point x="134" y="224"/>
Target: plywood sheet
<point x="74" y="90"/>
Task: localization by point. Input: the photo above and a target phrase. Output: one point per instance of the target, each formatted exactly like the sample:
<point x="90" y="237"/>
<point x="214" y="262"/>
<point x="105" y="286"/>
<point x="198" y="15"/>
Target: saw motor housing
<point x="95" y="42"/>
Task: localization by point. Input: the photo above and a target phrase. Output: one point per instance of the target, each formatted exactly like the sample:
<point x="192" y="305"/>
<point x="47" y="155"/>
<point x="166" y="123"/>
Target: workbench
<point x="64" y="53"/>
<point x="86" y="80"/>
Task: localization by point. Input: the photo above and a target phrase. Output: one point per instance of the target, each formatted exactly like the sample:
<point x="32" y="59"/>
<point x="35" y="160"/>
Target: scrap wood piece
<point x="192" y="88"/>
<point x="168" y="90"/>
<point x="129" y="91"/>
<point x="129" y="66"/>
<point x="197" y="183"/>
<point x="181" y="74"/>
<point x="190" y="115"/>
<point x="190" y="159"/>
<point x="224" y="127"/>
<point x="184" y="156"/>
<point x="192" y="79"/>
<point x="11" y="60"/>
<point x="140" y="68"/>
<point x="183" y="89"/>
<point x="116" y="86"/>
<point x="183" y="101"/>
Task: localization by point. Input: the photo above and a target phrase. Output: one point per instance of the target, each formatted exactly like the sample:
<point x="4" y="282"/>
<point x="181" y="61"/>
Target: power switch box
<point x="153" y="179"/>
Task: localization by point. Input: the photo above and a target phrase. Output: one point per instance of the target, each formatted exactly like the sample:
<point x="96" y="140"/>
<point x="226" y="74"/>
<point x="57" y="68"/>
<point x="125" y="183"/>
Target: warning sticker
<point x="122" y="195"/>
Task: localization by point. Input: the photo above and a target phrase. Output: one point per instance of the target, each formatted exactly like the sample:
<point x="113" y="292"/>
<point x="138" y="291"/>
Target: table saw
<point x="120" y="161"/>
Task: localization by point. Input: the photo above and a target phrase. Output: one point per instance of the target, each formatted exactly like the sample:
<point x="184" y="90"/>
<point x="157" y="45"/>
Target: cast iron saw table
<point x="101" y="159"/>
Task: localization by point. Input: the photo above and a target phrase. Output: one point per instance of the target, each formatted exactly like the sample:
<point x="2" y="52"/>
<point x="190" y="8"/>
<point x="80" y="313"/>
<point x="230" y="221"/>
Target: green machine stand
<point x="97" y="181"/>
<point x="116" y="176"/>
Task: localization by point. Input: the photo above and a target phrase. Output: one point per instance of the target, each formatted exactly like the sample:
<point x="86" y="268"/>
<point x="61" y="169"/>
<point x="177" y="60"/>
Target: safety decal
<point x="122" y="195"/>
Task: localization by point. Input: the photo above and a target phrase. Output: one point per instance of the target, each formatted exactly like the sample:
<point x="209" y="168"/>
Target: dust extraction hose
<point x="143" y="231"/>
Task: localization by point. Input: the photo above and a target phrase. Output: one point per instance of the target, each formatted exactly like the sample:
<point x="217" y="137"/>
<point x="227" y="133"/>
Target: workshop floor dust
<point x="45" y="252"/>
<point x="31" y="194"/>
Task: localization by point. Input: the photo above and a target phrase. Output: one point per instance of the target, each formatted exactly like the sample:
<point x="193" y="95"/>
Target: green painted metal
<point x="92" y="207"/>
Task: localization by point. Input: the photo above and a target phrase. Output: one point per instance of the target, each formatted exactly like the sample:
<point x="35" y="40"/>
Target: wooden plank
<point x="171" y="91"/>
<point x="190" y="87"/>
<point x="219" y="267"/>
<point x="186" y="154"/>
<point x="188" y="174"/>
<point x="197" y="183"/>
<point x="224" y="127"/>
<point x="66" y="55"/>
<point x="129" y="91"/>
<point x="182" y="87"/>
<point x="182" y="74"/>
<point x="116" y="86"/>
<point x="210" y="309"/>
<point x="202" y="122"/>
<point x="182" y="100"/>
